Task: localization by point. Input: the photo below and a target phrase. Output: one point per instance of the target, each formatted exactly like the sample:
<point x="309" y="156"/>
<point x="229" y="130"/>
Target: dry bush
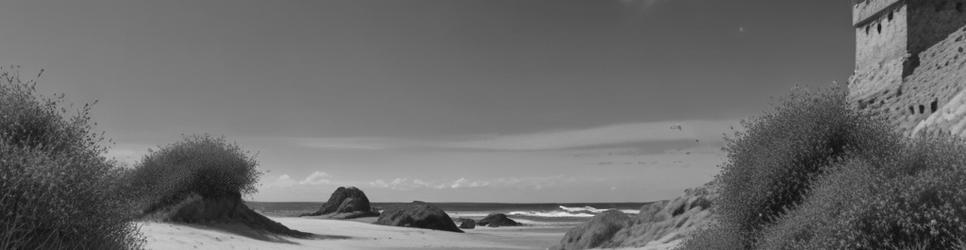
<point x="772" y="164"/>
<point x="815" y="174"/>
<point x="201" y="164"/>
<point x="914" y="197"/>
<point x="57" y="191"/>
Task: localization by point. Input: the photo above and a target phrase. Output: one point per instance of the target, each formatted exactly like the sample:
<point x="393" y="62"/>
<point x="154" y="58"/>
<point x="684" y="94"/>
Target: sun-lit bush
<point x="772" y="164"/>
<point x="814" y="174"/>
<point x="913" y="197"/>
<point x="57" y="191"/>
<point x="201" y="164"/>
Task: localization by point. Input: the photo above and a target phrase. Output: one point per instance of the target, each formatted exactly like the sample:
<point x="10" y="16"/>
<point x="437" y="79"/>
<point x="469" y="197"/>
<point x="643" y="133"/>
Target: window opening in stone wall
<point x="879" y="28"/>
<point x="912" y="110"/>
<point x="890" y="15"/>
<point x="934" y="106"/>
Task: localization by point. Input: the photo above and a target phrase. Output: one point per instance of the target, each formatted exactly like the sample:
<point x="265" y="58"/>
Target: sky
<point x="437" y="100"/>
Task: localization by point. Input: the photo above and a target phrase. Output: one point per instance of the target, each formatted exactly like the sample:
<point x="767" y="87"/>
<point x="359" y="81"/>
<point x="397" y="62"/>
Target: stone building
<point x="910" y="65"/>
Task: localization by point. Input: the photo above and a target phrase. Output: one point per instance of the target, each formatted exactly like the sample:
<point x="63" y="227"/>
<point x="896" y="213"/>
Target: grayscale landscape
<point x="483" y="124"/>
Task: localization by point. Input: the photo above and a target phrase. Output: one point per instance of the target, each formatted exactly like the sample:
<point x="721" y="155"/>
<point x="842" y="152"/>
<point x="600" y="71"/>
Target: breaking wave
<point x="565" y="211"/>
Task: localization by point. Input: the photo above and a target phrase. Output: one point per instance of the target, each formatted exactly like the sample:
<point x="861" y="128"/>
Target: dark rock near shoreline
<point x="420" y="215"/>
<point x="467" y="223"/>
<point x="345" y="203"/>
<point x="497" y="220"/>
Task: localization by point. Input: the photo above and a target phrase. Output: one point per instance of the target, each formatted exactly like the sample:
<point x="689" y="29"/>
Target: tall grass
<point x="57" y="191"/>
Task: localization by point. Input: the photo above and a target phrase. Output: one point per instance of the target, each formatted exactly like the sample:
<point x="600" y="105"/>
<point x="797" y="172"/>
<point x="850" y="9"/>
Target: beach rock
<point x="223" y="211"/>
<point x="420" y="215"/>
<point x="497" y="220"/>
<point x="595" y="232"/>
<point x="467" y="223"/>
<point x="345" y="203"/>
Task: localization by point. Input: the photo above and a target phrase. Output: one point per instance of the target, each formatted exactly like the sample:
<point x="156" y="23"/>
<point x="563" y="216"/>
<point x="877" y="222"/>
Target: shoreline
<point x="349" y="234"/>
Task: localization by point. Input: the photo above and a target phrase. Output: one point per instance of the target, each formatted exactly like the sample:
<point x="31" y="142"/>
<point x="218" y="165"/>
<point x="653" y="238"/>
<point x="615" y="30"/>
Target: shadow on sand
<point x="246" y="231"/>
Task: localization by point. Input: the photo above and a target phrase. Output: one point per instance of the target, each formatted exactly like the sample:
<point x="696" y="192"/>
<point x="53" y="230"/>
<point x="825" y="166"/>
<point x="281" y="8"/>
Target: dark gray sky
<point x="543" y="97"/>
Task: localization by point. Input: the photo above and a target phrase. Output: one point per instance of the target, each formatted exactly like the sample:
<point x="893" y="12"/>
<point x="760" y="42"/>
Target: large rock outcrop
<point x="345" y="203"/>
<point x="420" y="215"/>
<point x="227" y="211"/>
<point x="658" y="225"/>
<point x="497" y="220"/>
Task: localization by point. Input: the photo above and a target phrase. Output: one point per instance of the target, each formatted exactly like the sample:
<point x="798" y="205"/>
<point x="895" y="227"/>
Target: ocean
<point x="534" y="214"/>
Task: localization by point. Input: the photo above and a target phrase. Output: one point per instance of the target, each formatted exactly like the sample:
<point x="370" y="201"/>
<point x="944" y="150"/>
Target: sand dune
<point x="346" y="235"/>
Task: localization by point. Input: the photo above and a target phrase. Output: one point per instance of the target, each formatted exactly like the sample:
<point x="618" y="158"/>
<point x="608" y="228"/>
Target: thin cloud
<point x="603" y="136"/>
<point x="402" y="184"/>
<point x="535" y="183"/>
<point x="704" y="130"/>
<point x="642" y="4"/>
<point x="464" y="183"/>
<point x="317" y="178"/>
<point x="343" y="143"/>
<point x="283" y="181"/>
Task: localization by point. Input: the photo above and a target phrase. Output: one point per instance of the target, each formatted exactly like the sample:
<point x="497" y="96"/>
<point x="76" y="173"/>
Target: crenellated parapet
<point x="865" y="10"/>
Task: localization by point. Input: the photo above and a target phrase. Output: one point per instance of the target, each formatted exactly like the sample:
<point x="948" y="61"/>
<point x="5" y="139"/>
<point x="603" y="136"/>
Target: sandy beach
<point x="351" y="234"/>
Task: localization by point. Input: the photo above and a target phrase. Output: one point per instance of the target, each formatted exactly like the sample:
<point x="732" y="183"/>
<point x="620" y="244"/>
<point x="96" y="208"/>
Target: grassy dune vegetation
<point x="58" y="191"/>
<point x="200" y="164"/>
<point x="815" y="174"/>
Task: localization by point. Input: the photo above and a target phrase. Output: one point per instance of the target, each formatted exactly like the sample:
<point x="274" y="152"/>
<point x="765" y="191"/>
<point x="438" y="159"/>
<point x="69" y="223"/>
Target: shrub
<point x="204" y="165"/>
<point x="715" y="236"/>
<point x="816" y="175"/>
<point x="912" y="198"/>
<point x="771" y="165"/>
<point x="56" y="190"/>
<point x="32" y="121"/>
<point x="850" y="184"/>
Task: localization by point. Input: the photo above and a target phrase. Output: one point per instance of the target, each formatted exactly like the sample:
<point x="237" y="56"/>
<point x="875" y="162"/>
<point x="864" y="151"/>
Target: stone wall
<point x="880" y="52"/>
<point x="926" y="101"/>
<point x="911" y="64"/>
<point x="863" y="10"/>
<point x="936" y="102"/>
<point x="931" y="22"/>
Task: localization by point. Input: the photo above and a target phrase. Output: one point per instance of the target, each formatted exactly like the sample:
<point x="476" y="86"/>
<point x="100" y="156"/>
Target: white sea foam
<point x="562" y="212"/>
<point x="467" y="214"/>
<point x="550" y="214"/>
<point x="527" y="222"/>
<point x="582" y="209"/>
<point x="568" y="212"/>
